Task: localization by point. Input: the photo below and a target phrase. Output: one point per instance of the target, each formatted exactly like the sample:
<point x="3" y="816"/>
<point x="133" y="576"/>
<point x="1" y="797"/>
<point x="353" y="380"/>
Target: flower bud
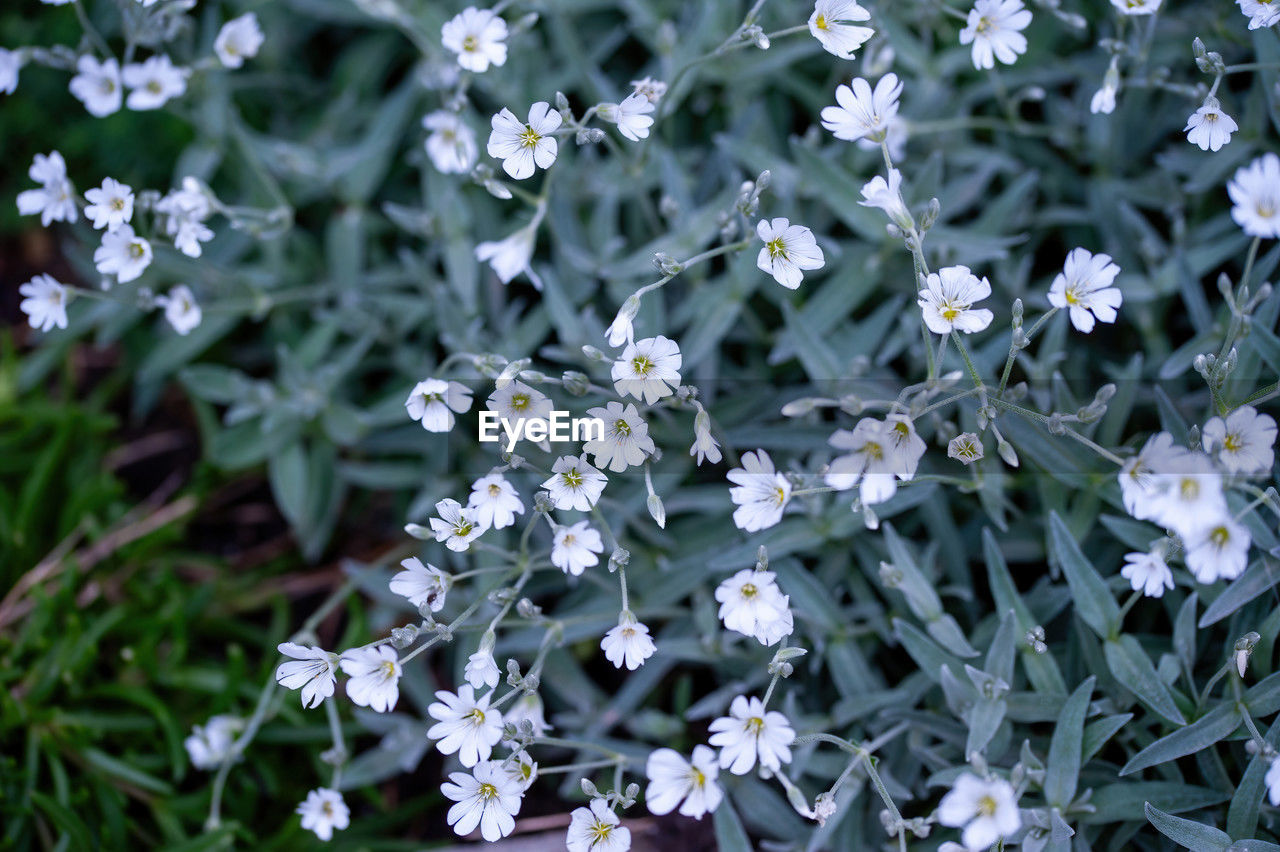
<point x="657" y="510"/>
<point x="419" y="532"/>
<point x="593" y="354"/>
<point x="1007" y="452"/>
<point x="762" y="558"/>
<point x="619" y="559"/>
<point x="575" y="383"/>
<point x="403" y="637"/>
<point x="589" y="790"/>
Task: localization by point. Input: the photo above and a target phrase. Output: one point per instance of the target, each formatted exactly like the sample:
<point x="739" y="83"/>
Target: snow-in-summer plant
<point x="933" y="503"/>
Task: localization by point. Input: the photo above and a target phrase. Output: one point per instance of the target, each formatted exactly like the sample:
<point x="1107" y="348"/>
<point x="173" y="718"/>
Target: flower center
<point x="1220" y="536"/>
<point x="569" y="540"/>
<point x="1189" y="488"/>
<point x="495" y="490"/>
<point x="779" y="496"/>
<point x="462" y="529"/>
<point x="755" y="725"/>
<point x="327" y="808"/>
<point x="136" y="250"/>
<point x="487" y="791"/>
<point x="749" y="590"/>
<point x="520" y="401"/>
<point x="117" y="204"/>
<point x="1072" y="295"/>
<point x="388" y="669"/>
<point x="429" y="398"/>
<point x="154" y="87"/>
<point x="820" y="22"/>
<point x="530" y="137"/>
<point x="622" y="427"/>
<point x="476" y="716"/>
<point x="986" y="806"/>
<point x="600" y="831"/>
<point x="572" y="478"/>
<point x="984" y="24"/>
<point x="777" y="248"/>
<point x="873" y="450"/>
<point x="697" y="777"/>
<point x="641" y="365"/>
<point x="470" y="44"/>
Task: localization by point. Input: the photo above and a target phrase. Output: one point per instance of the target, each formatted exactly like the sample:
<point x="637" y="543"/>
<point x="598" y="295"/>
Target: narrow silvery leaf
<point x="1191" y="835"/>
<point x="1132" y="668"/>
<point x="1090" y="595"/>
<point x="1065" y="748"/>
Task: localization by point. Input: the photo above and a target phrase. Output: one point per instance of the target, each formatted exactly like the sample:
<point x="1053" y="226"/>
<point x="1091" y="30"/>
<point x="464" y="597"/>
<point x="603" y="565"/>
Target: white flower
<point x="154" y="82"/>
<point x="628" y="644"/>
<point x="185" y="211"/>
<point x="749" y="734"/>
<point x="1273" y="781"/>
<point x="1209" y="127"/>
<point x="466" y="725"/>
<point x="10" y="64"/>
<point x="488" y="798"/>
<point x="516" y="401"/>
<point x="482" y="669"/>
<point x="457" y="526"/>
<point x="574" y="483"/>
<point x="948" y="301"/>
<point x="451" y="144"/>
<point x="1147" y="572"/>
<point x="788" y="249"/>
<point x="575" y="548"/>
<point x="323" y="811"/>
<point x="1217" y="550"/>
<point x="1243" y="442"/>
<point x="521" y="769"/>
<point x="529" y="708"/>
<point x="772" y="632"/>
<point x="626" y="440"/>
<point x="55" y="200"/>
<point x="1140" y="486"/>
<point x="123" y="254"/>
<point x="313" y="670"/>
<point x="1136" y="7"/>
<point x="434" y="401"/>
<point x="495" y="501"/>
<point x="705" y="446"/>
<point x="760" y="492"/>
<point x="872" y="460"/>
<point x="181" y="309"/>
<point x="1083" y="287"/>
<point x="752" y="604"/>
<point x="421" y="584"/>
<point x="995" y="30"/>
<point x="210" y="744"/>
<point x="239" y="39"/>
<point x="46" y="302"/>
<point x="523" y="145"/>
<point x="863" y="112"/>
<point x="833" y="24"/>
<point x="1189" y="494"/>
<point x="621" y="330"/>
<point x="648" y="369"/>
<point x="510" y="257"/>
<point x="650" y="88"/>
<point x="1255" y="194"/>
<point x="691" y="784"/>
<point x="374" y="677"/>
<point x="109" y="206"/>
<point x="1262" y="13"/>
<point x="1104" y="100"/>
<point x="478" y="36"/>
<point x="887" y="196"/>
<point x="987" y="809"/>
<point x="631" y="116"/>
<point x="596" y="829"/>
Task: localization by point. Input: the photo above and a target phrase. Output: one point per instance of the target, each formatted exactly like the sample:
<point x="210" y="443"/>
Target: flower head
<point x="985" y="808"/>
<point x="123" y="254"/>
<point x="1217" y="549"/>
<point x="752" y="604"/>
<point x="524" y="145"/>
<point x="834" y="23"/>
<point x="576" y="548"/>
<point x="1147" y="572"/>
<point x="948" y="299"/>
<point x="465" y="725"/>
<point x="596" y="829"/>
<point x="788" y="250"/>
<point x="495" y="501"/>
<point x="995" y="30"/>
<point x="1255" y="194"/>
<point x="451" y="145"/>
<point x="97" y="85"/>
<point x="1136" y="7"/>
<point x="185" y="211"/>
<point x="512" y="255"/>
<point x="628" y="644"/>
<point x="1209" y="127"/>
<point x="323" y="811"/>
<point x="863" y="112"/>
<point x="55" y="200"/>
<point x="45" y="302"/>
<point x="648" y="369"/>
<point x="482" y="669"/>
<point x="691" y="784"/>
<point x="374" y="677"/>
<point x="488" y="797"/>
<point x="434" y="401"/>
<point x="749" y="735"/>
<point x="457" y="526"/>
<point x="574" y="483"/>
<point x="154" y="83"/>
<point x="1262" y="13"/>
<point x="421" y="584"/>
<point x="1244" y="442"/>
<point x="632" y="116"/>
<point x="239" y="39"/>
<point x="210" y="744"/>
<point x="650" y="88"/>
<point x="11" y="63"/>
<point x="760" y="492"/>
<point x="1083" y="288"/>
<point x="312" y="669"/>
<point x="181" y="309"/>
<point x="886" y="195"/>
<point x="626" y="440"/>
<point x="478" y="37"/>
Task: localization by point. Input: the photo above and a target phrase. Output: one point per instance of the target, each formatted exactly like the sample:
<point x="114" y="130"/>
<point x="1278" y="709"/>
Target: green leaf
<point x="1242" y="816"/>
<point x="1184" y="832"/>
<point x="1258" y="580"/>
<point x="1063" y="768"/>
<point x="1124" y="802"/>
<point x="1215" y="725"/>
<point x="1132" y="667"/>
<point x="72" y="827"/>
<point x="1093" y="601"/>
<point x="1097" y="733"/>
<point x="1042" y="669"/>
<point x="730" y="835"/>
<point x="287" y="471"/>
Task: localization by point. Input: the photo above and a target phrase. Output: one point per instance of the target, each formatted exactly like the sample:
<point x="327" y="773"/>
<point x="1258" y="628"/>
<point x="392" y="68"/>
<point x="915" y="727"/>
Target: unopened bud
<point x="575" y="383"/>
<point x="762" y="558"/>
<point x="403" y="637"/>
<point x="619" y="559"/>
<point x="1007" y="452"/>
<point x="657" y="510"/>
<point x="592" y="353"/>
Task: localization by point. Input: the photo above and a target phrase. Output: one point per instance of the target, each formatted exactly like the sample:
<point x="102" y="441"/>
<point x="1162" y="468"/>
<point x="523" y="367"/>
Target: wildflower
<point x="1262" y="13"/>
<point x="995" y="29"/>
<point x="487" y="798"/>
<point x="887" y="196"/>
<point x="1136" y="7"/>
<point x="749" y="734"/>
<point x="1217" y="549"/>
<point x="870" y="462"/>
<point x="1083" y="287"/>
<point x="631" y="116"/>
<point x="451" y="145"/>
<point x="574" y="483"/>
<point x="523" y="145"/>
<point x="1189" y="494"/>
<point x="185" y="211"/>
<point x="10" y="64"/>
<point x="863" y="112"/>
<point x="434" y="401"/>
<point x="46" y="302"/>
<point x="55" y="199"/>
<point x="97" y="85"/>
<point x="1255" y="194"/>
<point x="833" y="23"/>
<point x="1140" y="487"/>
<point x="626" y="440"/>
<point x="691" y="784"/>
<point x="212" y="743"/>
<point x="628" y="644"/>
<point x="905" y="444"/>
<point x="154" y="83"/>
<point x="650" y="88"/>
<point x="457" y="526"/>
<point x="421" y="584"/>
<point x="596" y="829"/>
<point x="1209" y="127"/>
<point x="948" y="300"/>
<point x="465" y="725"/>
<point x="478" y="36"/>
<point x="181" y="309"/>
<point x="705" y="446"/>
<point x="110" y="205"/>
<point x="752" y="604"/>
<point x="511" y="256"/>
<point x="965" y="448"/>
<point x="374" y="677"/>
<point x="788" y="249"/>
<point x="517" y="401"/>
<point x="495" y="501"/>
<point x="528" y="708"/>
<point x="985" y="808"/>
<point x="648" y="369"/>
<point x="1104" y="100"/>
<point x="1243" y="443"/>
<point x="521" y="769"/>
<point x="760" y="492"/>
<point x="323" y="811"/>
<point x="481" y="668"/>
<point x="239" y="39"/>
<point x="313" y="670"/>
<point x="575" y="548"/>
<point x="123" y="254"/>
<point x="1147" y="572"/>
